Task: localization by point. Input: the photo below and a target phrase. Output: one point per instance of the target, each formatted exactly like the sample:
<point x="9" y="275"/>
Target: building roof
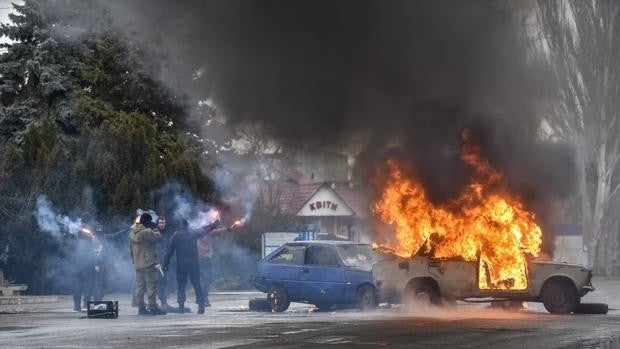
<point x="292" y="196"/>
<point x="354" y="197"/>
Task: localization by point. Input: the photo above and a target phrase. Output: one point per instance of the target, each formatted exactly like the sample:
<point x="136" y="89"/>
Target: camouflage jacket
<point x="143" y="246"/>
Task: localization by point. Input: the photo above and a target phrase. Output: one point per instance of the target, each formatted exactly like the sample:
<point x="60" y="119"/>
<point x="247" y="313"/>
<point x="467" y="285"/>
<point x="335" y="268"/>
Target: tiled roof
<point x="292" y="196"/>
<point x="355" y="198"/>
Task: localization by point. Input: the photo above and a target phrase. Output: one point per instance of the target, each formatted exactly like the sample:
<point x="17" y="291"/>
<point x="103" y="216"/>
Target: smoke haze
<point x="52" y="222"/>
<point x="328" y="73"/>
<point x="403" y="78"/>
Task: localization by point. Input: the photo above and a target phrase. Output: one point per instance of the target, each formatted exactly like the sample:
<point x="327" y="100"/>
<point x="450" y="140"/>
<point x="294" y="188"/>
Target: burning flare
<point x="481" y="224"/>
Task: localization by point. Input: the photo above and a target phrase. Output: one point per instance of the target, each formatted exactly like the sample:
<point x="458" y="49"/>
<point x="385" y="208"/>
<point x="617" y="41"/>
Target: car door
<point x="283" y="268"/>
<point x="456" y="278"/>
<point x="322" y="275"/>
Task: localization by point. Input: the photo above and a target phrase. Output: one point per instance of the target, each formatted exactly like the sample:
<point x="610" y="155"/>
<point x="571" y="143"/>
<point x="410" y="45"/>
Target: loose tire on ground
<point x="592" y="308"/>
<point x="260" y="304"/>
<point x="278" y="298"/>
<point x="559" y="297"/>
<point x="367" y="298"/>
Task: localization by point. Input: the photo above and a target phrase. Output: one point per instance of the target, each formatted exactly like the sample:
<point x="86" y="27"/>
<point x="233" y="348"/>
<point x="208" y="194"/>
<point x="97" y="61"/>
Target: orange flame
<point x="481" y="224"/>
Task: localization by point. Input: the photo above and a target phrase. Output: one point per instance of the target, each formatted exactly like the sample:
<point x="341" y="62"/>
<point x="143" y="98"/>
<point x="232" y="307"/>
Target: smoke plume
<point x="52" y="222"/>
<point x="403" y="77"/>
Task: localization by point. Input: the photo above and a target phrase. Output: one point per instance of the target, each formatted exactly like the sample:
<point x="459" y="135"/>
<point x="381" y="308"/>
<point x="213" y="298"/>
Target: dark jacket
<point x="85" y="257"/>
<point x="185" y="244"/>
<point x="143" y="245"/>
<point x="162" y="246"/>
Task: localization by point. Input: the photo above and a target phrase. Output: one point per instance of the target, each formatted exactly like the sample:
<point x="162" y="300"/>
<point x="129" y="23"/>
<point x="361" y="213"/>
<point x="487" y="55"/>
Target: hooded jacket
<point x="143" y="246"/>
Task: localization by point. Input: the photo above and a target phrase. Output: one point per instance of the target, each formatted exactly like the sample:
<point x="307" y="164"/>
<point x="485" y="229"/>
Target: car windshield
<point x="358" y="255"/>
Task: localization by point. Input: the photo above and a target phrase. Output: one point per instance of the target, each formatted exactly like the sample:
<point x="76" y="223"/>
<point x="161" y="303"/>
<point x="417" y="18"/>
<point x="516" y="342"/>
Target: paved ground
<point x="229" y="323"/>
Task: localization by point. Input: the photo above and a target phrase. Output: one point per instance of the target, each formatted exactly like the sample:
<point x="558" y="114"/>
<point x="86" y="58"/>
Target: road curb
<point x="16" y="300"/>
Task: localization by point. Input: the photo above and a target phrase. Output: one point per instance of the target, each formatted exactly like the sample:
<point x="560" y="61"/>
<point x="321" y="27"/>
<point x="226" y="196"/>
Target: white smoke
<point x="197" y="213"/>
<point x="52" y="222"/>
<point x="242" y="193"/>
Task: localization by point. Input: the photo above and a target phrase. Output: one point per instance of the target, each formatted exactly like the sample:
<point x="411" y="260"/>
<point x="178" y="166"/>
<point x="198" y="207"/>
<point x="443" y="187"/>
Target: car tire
<point x="592" y="308"/>
<point x="278" y="298"/>
<point x="367" y="298"/>
<point x="559" y="297"/>
<point x="420" y="294"/>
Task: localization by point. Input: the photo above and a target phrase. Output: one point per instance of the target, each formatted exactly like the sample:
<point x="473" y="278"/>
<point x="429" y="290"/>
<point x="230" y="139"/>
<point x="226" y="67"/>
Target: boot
<point x="156" y="311"/>
<point x="143" y="311"/>
<point x="201" y="308"/>
<point x="181" y="308"/>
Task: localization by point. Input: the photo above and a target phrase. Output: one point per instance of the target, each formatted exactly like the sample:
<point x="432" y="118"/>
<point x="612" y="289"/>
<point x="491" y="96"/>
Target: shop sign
<point x="318" y="205"/>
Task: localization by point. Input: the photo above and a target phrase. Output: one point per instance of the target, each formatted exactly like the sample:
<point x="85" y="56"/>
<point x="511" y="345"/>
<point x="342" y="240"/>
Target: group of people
<point x="151" y="250"/>
<point x="145" y="240"/>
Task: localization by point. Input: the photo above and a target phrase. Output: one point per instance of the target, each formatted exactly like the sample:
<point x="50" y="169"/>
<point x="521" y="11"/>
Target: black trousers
<point x="99" y="284"/>
<point x="206" y="276"/>
<point x="82" y="286"/>
<point x="162" y="289"/>
<point x="193" y="273"/>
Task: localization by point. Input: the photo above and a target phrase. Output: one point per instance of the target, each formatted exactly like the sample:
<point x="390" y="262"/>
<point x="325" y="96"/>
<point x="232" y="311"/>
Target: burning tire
<point x="366" y="298"/>
<point x="559" y="297"/>
<point x="278" y="298"/>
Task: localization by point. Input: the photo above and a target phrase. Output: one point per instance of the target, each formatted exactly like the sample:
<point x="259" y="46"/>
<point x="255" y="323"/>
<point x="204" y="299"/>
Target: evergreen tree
<point x="79" y="109"/>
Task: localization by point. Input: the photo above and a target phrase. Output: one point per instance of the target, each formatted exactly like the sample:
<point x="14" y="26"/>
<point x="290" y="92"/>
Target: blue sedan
<point x="323" y="273"/>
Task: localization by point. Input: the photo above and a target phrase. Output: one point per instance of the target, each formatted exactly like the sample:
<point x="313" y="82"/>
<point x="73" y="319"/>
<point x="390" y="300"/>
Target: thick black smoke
<point x="404" y="73"/>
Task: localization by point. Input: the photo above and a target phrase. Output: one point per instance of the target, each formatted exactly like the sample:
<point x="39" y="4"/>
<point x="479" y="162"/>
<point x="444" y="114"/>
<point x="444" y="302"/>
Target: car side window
<point x="289" y="255"/>
<point x="322" y="255"/>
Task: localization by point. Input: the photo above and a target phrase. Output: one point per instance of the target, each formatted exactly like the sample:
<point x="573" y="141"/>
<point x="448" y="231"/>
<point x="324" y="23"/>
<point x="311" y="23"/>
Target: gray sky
<point x="5" y="9"/>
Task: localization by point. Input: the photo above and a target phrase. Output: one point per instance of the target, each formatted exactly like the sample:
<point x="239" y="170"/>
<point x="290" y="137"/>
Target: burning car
<point x="483" y="242"/>
<point x="423" y="279"/>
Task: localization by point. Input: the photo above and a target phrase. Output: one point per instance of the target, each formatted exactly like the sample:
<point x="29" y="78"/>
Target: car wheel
<point x="366" y="298"/>
<point x="559" y="297"/>
<point x="278" y="298"/>
<point x="420" y="294"/>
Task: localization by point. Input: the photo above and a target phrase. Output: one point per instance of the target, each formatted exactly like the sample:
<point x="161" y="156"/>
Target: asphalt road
<point x="229" y="323"/>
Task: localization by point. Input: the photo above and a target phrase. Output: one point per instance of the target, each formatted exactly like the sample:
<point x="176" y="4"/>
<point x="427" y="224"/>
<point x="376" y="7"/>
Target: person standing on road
<point x="184" y="244"/>
<point x="205" y="253"/>
<point x="162" y="248"/>
<point x="84" y="266"/>
<point x="142" y="248"/>
<point x="101" y="267"/>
